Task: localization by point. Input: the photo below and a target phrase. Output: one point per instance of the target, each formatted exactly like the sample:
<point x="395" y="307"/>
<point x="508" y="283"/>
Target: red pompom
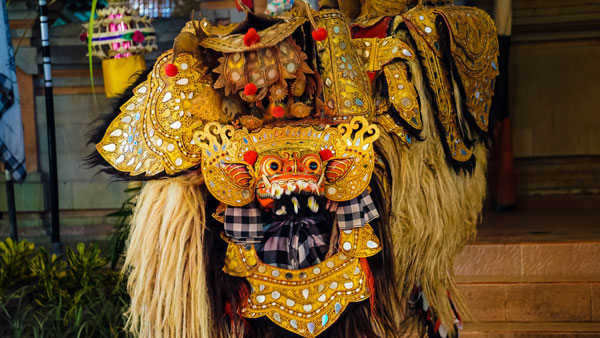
<point x="250" y="89"/>
<point x="171" y="70"/>
<point x="278" y="112"/>
<point x="325" y="154"/>
<point x="83" y="36"/>
<point x="320" y="34"/>
<point x="250" y="157"/>
<point x="251" y="37"/>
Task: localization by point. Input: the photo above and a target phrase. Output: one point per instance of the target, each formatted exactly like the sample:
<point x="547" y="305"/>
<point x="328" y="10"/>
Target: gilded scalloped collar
<point x="306" y="301"/>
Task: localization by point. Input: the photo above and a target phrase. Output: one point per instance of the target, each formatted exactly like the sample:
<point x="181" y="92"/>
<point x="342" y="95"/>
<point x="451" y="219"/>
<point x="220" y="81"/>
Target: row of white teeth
<point x="277" y="189"/>
<point x="312" y="205"/>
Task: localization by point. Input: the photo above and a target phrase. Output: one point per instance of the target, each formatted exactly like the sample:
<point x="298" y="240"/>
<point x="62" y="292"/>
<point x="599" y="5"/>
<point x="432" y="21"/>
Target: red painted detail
<point x="325" y="154"/>
<point x="250" y="157"/>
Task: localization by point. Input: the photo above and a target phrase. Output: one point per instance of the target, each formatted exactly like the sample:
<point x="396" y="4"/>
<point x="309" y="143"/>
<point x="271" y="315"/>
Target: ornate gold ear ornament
<point x="227" y="176"/>
<point x="355" y="143"/>
<point x="154" y="131"/>
<point x="305" y="301"/>
<point x="233" y="181"/>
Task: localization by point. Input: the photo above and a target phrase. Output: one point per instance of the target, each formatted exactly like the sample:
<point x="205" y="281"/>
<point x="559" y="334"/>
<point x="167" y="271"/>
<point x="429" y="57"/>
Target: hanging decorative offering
<point x="120" y="37"/>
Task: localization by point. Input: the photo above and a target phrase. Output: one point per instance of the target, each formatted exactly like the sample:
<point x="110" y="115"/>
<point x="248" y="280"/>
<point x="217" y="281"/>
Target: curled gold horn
<point x="188" y="40"/>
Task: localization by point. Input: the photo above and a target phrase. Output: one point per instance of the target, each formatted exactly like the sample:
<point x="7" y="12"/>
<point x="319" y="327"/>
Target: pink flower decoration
<point x="138" y="37"/>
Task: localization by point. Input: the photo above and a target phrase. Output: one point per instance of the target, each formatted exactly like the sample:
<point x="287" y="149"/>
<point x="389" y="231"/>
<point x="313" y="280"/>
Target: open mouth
<point x="279" y="185"/>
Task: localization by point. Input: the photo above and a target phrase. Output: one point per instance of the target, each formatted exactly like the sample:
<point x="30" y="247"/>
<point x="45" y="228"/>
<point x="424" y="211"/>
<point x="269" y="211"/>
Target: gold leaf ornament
<point x="474" y="49"/>
<point x="154" y="131"/>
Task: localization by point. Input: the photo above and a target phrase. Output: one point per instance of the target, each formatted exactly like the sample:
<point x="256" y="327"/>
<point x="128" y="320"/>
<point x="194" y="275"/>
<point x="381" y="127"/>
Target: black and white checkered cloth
<point x="295" y="242"/>
<point x="244" y="224"/>
<point x="356" y="212"/>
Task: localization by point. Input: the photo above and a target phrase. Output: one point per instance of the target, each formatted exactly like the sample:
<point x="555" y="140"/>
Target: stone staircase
<point x="521" y="281"/>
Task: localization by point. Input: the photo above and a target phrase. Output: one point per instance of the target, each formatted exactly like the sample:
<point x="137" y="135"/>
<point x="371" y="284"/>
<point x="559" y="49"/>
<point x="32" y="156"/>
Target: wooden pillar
<point x="27" y="98"/>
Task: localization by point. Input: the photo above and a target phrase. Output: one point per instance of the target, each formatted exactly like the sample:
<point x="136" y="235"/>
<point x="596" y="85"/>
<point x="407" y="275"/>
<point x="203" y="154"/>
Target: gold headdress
<point x="157" y="128"/>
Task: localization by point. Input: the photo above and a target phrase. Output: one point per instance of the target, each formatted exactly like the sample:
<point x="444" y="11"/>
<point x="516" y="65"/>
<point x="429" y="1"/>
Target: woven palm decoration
<point x="120" y="37"/>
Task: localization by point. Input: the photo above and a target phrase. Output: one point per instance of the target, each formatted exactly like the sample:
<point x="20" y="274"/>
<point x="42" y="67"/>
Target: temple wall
<point x="554" y="95"/>
<point x="555" y="78"/>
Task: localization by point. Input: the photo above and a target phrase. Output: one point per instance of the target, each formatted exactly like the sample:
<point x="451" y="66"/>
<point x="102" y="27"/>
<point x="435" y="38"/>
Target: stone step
<point x="532" y="302"/>
<point x="529" y="262"/>
<point x="533" y="330"/>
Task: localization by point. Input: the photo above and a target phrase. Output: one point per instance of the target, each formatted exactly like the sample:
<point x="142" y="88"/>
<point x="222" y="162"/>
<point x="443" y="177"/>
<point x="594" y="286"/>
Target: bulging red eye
<point x="271" y="166"/>
<point x="312" y="163"/>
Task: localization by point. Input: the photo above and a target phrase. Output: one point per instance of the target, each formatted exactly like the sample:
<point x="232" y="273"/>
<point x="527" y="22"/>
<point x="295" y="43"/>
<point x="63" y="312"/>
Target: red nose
<point x="293" y="166"/>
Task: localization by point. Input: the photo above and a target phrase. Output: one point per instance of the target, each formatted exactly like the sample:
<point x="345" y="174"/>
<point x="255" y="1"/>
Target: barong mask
<point x="281" y="118"/>
<point x="334" y="161"/>
<point x="286" y="116"/>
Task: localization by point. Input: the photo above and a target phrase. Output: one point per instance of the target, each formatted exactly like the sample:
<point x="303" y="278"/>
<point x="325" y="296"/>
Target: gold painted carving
<point x="376" y="53"/>
<point x="390" y="8"/>
<point x="269" y="37"/>
<point x="422" y="27"/>
<point x="263" y="68"/>
<point x="305" y="301"/>
<point x="154" y="131"/>
<point x="346" y="87"/>
<point x="372" y="11"/>
<point x="232" y="181"/>
<point x="387" y="123"/>
<point x="474" y="48"/>
<point x="403" y="95"/>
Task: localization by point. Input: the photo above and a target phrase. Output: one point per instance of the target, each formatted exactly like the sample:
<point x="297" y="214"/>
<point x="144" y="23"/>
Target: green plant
<point x="49" y="271"/>
<point x="13" y="263"/>
<point x="59" y="296"/>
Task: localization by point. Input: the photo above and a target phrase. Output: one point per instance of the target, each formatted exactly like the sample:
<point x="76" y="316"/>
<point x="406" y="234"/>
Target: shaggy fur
<point x="165" y="261"/>
<point x="431" y="209"/>
<point x="428" y="213"/>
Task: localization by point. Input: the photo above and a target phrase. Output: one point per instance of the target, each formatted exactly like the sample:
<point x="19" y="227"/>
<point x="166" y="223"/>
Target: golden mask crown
<point x="232" y="180"/>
